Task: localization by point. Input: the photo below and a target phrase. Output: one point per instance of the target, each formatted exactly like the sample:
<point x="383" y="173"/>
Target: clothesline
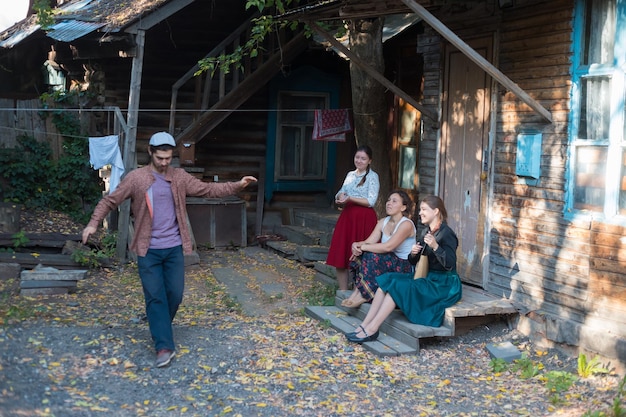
<point x="167" y="110"/>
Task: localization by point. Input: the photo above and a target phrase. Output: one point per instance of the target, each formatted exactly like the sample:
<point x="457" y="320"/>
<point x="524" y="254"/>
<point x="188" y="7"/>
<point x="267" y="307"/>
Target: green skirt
<point x="424" y="300"/>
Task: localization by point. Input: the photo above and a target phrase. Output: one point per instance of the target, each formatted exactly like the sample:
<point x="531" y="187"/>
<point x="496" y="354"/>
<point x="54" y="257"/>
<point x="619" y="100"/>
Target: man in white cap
<point x="162" y="237"/>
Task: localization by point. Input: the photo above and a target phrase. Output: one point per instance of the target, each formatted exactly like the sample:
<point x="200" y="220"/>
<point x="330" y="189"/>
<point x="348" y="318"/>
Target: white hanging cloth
<point x="104" y="151"/>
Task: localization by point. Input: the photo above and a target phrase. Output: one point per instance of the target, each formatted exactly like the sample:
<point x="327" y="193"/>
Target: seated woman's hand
<point x="416" y="248"/>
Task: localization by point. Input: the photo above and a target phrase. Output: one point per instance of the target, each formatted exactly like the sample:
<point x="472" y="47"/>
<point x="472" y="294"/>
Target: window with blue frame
<point x="297" y="156"/>
<point x="598" y="152"/>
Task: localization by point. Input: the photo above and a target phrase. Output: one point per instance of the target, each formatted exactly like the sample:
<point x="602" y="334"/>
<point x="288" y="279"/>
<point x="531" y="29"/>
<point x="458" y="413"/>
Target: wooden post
<point x="130" y="155"/>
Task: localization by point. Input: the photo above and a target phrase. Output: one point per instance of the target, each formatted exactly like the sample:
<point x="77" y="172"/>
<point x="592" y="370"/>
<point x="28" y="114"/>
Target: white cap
<point x="162" y="138"/>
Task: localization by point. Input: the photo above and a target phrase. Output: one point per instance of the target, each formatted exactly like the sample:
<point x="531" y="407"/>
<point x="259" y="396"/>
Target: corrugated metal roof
<point x="18" y="36"/>
<point x="81" y="17"/>
<point x="70" y="30"/>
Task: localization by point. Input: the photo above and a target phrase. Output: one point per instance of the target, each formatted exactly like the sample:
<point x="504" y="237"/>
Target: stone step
<point x="303" y="235"/>
<point x="322" y="220"/>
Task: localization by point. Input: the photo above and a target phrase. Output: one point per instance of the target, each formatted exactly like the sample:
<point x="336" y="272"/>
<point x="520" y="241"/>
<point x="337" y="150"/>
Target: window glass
<point x="589" y="188"/>
<point x="599" y="32"/>
<point x="313" y="155"/>
<point x="289" y="148"/>
<point x="595" y="108"/>
<point x="299" y="157"/>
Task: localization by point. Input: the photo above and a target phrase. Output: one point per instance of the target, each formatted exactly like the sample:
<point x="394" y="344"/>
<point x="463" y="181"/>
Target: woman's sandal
<point x="353" y="334"/>
<point x="354" y="304"/>
<point x="367" y="337"/>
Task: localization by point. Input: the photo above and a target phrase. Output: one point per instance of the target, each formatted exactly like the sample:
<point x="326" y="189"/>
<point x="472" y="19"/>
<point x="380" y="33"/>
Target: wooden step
<point x="284" y="248"/>
<point x="300" y="234"/>
<point x="339" y="320"/>
<point x="398" y="335"/>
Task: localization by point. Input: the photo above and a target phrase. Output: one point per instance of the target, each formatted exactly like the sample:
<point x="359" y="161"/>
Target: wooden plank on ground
<point x="52" y="274"/>
<point x="31" y="260"/>
<point x="53" y="240"/>
<point x="32" y="292"/>
<point x="47" y="284"/>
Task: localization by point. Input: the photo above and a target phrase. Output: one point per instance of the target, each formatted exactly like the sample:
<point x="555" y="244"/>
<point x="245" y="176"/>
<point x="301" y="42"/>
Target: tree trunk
<point x="368" y="100"/>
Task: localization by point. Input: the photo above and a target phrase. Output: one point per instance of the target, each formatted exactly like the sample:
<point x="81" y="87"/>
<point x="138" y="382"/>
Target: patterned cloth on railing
<point x="332" y="125"/>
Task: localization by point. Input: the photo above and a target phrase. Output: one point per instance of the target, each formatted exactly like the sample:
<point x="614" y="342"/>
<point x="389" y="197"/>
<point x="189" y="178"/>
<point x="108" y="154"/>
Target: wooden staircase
<point x="218" y="93"/>
<point x="307" y="241"/>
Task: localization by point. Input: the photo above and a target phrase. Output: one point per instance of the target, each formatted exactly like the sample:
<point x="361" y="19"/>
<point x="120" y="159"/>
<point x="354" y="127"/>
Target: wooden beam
<point x="485" y="65"/>
<point x="157" y="16"/>
<point x="130" y="142"/>
<point x="372" y="72"/>
<point x="210" y="119"/>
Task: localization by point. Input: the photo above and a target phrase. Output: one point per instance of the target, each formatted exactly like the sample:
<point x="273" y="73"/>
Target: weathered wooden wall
<point x="24" y="117"/>
<point x="570" y="273"/>
<point x="566" y="275"/>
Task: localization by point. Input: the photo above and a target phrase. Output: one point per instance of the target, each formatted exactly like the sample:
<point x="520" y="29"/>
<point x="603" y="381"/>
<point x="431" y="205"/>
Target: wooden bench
<point x="398" y="335"/>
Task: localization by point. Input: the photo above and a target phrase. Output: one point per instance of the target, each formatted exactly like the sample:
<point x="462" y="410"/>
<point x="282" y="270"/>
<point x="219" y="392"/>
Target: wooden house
<point x="526" y="146"/>
<point x="528" y="152"/>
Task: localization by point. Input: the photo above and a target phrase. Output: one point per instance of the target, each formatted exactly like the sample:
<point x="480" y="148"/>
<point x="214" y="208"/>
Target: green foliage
<point x="326" y="324"/>
<point x="527" y="367"/>
<point x="556" y="383"/>
<point x="94" y="258"/>
<point x="559" y="381"/>
<point x="33" y="178"/>
<point x="588" y="368"/>
<point x="498" y="365"/>
<point x="320" y="294"/>
<point x="19" y="239"/>
<point x="45" y="16"/>
<point x="262" y="27"/>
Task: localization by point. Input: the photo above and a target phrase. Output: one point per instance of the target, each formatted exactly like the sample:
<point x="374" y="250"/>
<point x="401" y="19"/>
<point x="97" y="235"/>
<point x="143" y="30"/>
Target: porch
<point x="304" y="236"/>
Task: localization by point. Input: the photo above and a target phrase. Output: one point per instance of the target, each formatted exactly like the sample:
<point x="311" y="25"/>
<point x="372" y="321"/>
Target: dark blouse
<point x="444" y="258"/>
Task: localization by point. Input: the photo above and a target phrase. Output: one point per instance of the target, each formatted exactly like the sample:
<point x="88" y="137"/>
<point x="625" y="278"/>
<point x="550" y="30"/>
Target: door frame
<point x="487" y="173"/>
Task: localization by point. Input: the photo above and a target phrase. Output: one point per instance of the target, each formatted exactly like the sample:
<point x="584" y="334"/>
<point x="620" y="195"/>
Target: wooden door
<point x="464" y="142"/>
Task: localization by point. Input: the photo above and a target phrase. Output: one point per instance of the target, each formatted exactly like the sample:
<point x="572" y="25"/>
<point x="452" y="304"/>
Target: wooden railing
<point x="277" y="49"/>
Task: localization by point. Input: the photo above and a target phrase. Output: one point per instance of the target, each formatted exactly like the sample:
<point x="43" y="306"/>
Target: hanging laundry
<point x="331" y="125"/>
<point x="53" y="73"/>
<point x="104" y="151"/>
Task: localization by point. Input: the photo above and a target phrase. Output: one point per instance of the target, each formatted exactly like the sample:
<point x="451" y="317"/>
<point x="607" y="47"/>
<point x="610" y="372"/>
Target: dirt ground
<point x="89" y="354"/>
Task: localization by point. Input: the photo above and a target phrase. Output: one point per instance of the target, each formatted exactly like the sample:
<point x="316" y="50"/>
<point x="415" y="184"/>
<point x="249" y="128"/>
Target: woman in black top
<point x="423" y="300"/>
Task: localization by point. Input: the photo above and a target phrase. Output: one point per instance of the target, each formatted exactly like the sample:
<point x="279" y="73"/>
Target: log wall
<point x="567" y="276"/>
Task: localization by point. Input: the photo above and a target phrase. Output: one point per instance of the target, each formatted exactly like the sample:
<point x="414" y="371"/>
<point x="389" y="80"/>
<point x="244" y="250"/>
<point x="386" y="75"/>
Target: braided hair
<point x="368" y="151"/>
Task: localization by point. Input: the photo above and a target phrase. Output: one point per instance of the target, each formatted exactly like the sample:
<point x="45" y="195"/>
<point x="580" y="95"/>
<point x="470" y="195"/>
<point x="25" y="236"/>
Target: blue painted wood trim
<point x="303" y="79"/>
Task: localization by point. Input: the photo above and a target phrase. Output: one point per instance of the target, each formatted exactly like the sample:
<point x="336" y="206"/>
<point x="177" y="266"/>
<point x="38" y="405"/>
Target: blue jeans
<point x="162" y="273"/>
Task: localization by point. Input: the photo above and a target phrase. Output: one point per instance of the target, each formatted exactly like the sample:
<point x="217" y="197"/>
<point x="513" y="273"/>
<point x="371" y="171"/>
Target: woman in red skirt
<point x="357" y="196"/>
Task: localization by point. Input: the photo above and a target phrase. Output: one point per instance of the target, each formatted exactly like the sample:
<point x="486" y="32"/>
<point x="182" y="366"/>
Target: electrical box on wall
<point x="528" y="160"/>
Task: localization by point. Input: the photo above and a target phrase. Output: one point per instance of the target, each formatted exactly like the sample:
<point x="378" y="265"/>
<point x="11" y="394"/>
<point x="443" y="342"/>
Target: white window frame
<point x="616" y="142"/>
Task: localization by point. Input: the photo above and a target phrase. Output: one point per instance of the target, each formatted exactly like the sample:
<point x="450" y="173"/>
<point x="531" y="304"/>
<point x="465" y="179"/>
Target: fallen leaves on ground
<point x="90" y="353"/>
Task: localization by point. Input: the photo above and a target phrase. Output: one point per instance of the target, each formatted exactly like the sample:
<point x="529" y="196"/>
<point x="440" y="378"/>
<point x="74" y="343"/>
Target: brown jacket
<point x="135" y="186"/>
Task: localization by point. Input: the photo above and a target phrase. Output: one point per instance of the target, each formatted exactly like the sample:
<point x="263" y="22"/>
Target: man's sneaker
<point x="164" y="357"/>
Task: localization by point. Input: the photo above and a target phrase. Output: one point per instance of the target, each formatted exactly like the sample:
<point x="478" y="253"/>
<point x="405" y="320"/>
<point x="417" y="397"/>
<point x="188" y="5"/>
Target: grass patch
<point x="320" y="294"/>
